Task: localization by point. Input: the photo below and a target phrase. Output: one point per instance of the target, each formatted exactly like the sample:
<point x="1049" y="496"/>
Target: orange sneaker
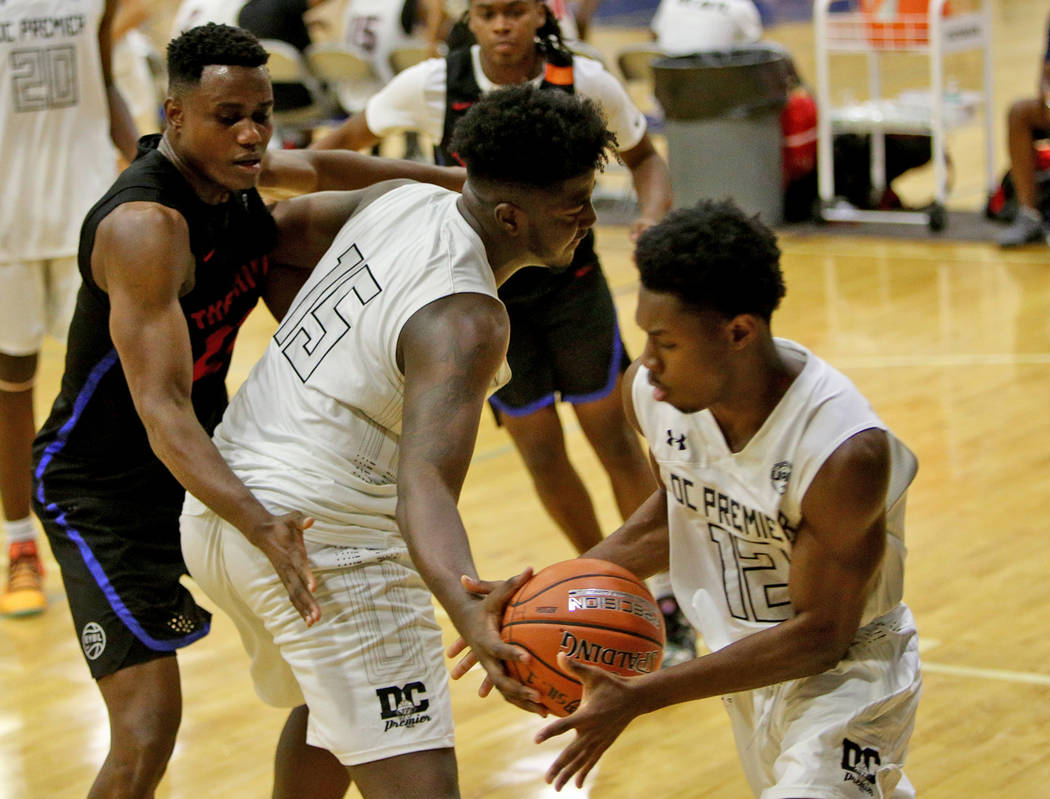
<point x="24" y="593"/>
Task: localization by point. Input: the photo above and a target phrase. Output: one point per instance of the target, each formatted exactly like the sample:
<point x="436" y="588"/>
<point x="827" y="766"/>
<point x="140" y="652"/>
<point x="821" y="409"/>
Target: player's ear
<point x="742" y="330"/>
<point x="173" y="112"/>
<point x="510" y="218"/>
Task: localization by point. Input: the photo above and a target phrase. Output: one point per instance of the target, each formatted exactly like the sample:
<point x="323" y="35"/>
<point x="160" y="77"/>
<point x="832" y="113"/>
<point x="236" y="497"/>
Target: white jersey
<point x="316" y="425"/>
<point x="56" y="156"/>
<point x="733" y="516"/>
<point x="687" y="26"/>
<point x="415" y="99"/>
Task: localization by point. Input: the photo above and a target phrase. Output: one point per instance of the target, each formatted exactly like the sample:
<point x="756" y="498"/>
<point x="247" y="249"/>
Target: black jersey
<point x="93" y="438"/>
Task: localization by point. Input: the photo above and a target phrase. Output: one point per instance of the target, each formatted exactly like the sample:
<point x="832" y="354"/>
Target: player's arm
<point x="399" y="105"/>
<point x="641" y="544"/>
<point x="450" y="351"/>
<point x="121" y="125"/>
<point x="302" y="171"/>
<point x="835" y="557"/>
<point x="652" y="184"/>
<point x="142" y="259"/>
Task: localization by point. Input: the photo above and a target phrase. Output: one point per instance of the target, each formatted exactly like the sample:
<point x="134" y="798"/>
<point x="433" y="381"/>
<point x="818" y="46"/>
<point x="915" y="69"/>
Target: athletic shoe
<point x="681" y="637"/>
<point x="24" y="593"/>
<point x="1026" y="228"/>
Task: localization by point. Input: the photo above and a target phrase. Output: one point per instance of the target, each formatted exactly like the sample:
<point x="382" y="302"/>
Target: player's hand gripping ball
<point x="592" y="610"/>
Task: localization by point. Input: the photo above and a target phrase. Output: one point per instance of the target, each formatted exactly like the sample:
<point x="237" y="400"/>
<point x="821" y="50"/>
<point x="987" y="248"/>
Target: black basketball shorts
<point x="564" y="344"/>
<point x="121" y="561"/>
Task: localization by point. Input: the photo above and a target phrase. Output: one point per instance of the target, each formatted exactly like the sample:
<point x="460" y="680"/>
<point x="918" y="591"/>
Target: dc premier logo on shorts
<point x="860" y="765"/>
<point x="403" y="707"/>
<point x="93" y="640"/>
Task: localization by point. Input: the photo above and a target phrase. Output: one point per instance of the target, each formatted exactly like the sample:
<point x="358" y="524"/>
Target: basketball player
<point x="780" y="512"/>
<point x="60" y="117"/>
<point x="173" y="258"/>
<point x="363" y="413"/>
<point x="565" y="342"/>
<point x="1028" y="120"/>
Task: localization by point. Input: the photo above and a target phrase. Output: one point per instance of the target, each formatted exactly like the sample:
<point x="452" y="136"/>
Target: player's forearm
<point x="652" y="185"/>
<point x="122" y="128"/>
<point x="794" y="649"/>
<point x="183" y="446"/>
<point x="641" y="543"/>
<point x="437" y="541"/>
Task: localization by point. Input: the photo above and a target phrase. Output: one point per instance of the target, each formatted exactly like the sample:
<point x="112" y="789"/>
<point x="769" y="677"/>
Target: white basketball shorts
<point x="371" y="671"/>
<point x="37" y="298"/>
<point x="842" y="734"/>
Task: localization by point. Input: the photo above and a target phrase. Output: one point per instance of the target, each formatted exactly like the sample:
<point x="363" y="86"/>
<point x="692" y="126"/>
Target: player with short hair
<point x="363" y="413"/>
<point x="173" y="258"/>
<point x="565" y="342"/>
<point x="60" y="117"/>
<point x="781" y="515"/>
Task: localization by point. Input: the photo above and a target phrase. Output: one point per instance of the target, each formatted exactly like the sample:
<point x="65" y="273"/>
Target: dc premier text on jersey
<point x="36" y="28"/>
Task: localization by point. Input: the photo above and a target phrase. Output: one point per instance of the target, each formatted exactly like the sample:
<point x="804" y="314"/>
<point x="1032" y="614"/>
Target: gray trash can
<point x="722" y="111"/>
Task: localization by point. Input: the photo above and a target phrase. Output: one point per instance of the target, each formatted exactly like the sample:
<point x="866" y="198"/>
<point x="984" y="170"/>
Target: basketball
<point x="592" y="610"/>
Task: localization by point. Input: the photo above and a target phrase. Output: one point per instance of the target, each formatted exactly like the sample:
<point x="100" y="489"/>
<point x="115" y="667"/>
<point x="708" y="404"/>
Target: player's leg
<point x="618" y="448"/>
<point x="120" y="562"/>
<point x="304" y="770"/>
<point x="22" y="322"/>
<point x="525" y="409"/>
<point x="144" y="703"/>
<point x="431" y="774"/>
<point x="843" y="732"/>
<point x="1023" y="120"/>
<point x="210" y="548"/>
<point x="540" y="441"/>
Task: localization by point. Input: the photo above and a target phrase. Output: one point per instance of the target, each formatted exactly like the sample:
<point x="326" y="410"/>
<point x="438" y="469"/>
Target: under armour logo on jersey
<point x="779" y="476"/>
<point x="671" y="440"/>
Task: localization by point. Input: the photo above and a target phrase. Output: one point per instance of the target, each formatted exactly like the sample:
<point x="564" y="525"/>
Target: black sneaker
<point x="681" y="637"/>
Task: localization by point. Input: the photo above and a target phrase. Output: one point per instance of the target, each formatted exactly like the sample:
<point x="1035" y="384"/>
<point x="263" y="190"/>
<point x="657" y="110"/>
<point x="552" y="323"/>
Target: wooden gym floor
<point x="950" y="342"/>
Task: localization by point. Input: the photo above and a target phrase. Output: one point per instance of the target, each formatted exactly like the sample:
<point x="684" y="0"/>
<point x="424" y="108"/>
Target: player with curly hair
<point x="363" y="414"/>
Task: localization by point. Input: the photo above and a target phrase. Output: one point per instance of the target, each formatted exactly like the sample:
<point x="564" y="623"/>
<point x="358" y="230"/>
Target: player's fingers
<point x="557" y="727"/>
<point x="463" y="665"/>
<point x="472" y="585"/>
<point x="300" y="585"/>
<point x="485" y="688"/>
<point x="584" y="771"/>
<point x="457" y="646"/>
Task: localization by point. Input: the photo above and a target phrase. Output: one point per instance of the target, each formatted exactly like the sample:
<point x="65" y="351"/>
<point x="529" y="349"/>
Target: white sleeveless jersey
<point x="56" y="156"/>
<point x="733" y="516"/>
<point x="316" y="425"/>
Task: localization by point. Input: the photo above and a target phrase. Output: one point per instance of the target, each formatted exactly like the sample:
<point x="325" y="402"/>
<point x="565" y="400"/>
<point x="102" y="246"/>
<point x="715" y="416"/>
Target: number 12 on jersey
<point x="751" y="576"/>
<point x="323" y="314"/>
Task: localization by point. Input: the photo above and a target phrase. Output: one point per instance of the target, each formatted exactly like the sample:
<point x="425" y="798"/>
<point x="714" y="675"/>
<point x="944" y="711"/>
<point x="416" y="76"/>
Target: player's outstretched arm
<point x="142" y="259"/>
<point x="302" y="171"/>
<point x="837" y="551"/>
<point x="449" y="352"/>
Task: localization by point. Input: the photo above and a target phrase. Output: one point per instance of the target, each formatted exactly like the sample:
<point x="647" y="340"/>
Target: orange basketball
<point x="592" y="610"/>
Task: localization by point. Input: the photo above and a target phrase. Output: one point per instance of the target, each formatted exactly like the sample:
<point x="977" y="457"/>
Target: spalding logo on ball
<point x="592" y="610"/>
